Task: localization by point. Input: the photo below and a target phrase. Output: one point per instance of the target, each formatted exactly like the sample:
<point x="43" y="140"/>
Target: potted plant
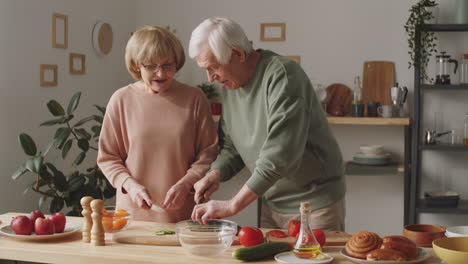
<point x="65" y="189"/>
<point x="210" y="92"/>
<point x="420" y="14"/>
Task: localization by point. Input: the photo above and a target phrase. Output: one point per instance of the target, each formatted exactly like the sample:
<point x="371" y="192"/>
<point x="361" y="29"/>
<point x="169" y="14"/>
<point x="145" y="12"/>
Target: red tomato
<point x="250" y="236"/>
<point x="277" y="233"/>
<point x="319" y="235"/>
<point x="294" y="227"/>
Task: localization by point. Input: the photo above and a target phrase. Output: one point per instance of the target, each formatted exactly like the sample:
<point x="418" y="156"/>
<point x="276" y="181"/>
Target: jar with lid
<point x="464" y="69"/>
<point x="465" y="136"/>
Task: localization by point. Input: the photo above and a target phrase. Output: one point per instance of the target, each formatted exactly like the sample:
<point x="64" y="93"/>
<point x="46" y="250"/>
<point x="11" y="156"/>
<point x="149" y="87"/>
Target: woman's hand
<point x="176" y="195"/>
<point x="206" y="186"/>
<point x="212" y="210"/>
<point x="138" y="193"/>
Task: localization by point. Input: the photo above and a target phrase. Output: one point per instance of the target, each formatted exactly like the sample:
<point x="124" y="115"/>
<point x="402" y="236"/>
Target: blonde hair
<point x="149" y="44"/>
<point x="221" y="34"/>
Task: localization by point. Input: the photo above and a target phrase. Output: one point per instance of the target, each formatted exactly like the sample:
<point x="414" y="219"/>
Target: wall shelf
<point x="462" y="208"/>
<point x="379" y="121"/>
<point x="444" y="147"/>
<point x="444" y="87"/>
<point x="444" y="27"/>
<point x="352" y="168"/>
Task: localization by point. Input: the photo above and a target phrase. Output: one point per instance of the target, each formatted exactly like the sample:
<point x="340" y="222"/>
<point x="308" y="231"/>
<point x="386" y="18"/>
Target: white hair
<point x="221" y="35"/>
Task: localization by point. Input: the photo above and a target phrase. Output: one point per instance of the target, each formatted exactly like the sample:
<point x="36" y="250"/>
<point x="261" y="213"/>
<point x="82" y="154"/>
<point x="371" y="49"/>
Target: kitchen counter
<point x="71" y="250"/>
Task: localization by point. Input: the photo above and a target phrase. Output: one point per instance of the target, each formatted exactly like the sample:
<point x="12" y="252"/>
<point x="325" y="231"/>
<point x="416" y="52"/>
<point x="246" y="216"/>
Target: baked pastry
<point x="362" y="243"/>
<point x="402" y="244"/>
<point x="386" y="254"/>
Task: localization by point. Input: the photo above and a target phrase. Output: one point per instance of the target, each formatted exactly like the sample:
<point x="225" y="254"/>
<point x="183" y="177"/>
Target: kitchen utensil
<point x="212" y="238"/>
<point x="423" y="254"/>
<point x="443" y="73"/>
<point x="114" y="219"/>
<point x="452" y="250"/>
<point x="378" y="78"/>
<point x="372" y="109"/>
<point x="70" y="229"/>
<point x="385" y="111"/>
<point x="340" y="100"/>
<point x="430" y="136"/>
<point x="145" y="236"/>
<point x="457" y="231"/>
<point x="423" y="235"/>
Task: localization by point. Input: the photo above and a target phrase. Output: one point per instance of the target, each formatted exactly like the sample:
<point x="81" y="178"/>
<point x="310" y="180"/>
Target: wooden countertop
<point x="72" y="250"/>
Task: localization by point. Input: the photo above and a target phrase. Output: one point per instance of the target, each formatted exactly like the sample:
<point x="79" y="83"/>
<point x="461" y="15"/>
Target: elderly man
<point x="272" y="123"/>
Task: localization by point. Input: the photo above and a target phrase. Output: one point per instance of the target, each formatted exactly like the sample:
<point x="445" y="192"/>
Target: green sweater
<point x="276" y="127"/>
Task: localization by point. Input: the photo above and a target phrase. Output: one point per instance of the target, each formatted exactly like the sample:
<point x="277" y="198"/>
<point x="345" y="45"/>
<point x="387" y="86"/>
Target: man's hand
<point x="176" y="195"/>
<point x="138" y="193"/>
<point x="206" y="186"/>
<point x="213" y="210"/>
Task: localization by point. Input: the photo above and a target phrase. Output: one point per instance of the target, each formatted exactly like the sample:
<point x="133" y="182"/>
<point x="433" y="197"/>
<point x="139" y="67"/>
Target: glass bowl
<point x="211" y="238"/>
<point x="114" y="220"/>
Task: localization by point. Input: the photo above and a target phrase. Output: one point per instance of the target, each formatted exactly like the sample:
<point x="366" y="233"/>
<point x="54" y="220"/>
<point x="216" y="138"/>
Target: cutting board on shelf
<point x="377" y="79"/>
<point x="340" y="98"/>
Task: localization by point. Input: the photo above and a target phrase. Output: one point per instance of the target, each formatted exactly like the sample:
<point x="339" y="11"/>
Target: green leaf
<point x="75" y="183"/>
<point x="79" y="159"/>
<point x="74" y="102"/>
<point x="109" y="191"/>
<point x="60" y="181"/>
<point x="45" y="175"/>
<point x="53" y="122"/>
<point x="38" y="162"/>
<point x="98" y="118"/>
<point x="56" y="205"/>
<point x="66" y="148"/>
<point x="61" y="135"/>
<point x="83" y="144"/>
<point x="101" y="109"/>
<point x="20" y="171"/>
<point x="28" y="145"/>
<point x="83" y="121"/>
<point x="68" y="118"/>
<point x="82" y="133"/>
<point x="55" y="108"/>
<point x="30" y="165"/>
<point x="47" y="148"/>
<point x="96" y="130"/>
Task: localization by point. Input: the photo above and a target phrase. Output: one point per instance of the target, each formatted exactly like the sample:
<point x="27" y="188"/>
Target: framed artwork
<point x="77" y="63"/>
<point x="296" y="58"/>
<point x="273" y="31"/>
<point x="49" y="75"/>
<point x="59" y="31"/>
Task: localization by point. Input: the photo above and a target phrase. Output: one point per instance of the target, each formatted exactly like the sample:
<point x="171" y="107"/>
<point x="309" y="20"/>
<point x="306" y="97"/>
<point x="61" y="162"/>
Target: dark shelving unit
<point x="418" y="205"/>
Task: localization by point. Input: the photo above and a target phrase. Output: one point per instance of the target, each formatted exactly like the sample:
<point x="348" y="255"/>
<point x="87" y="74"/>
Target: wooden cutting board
<point x="340" y="97"/>
<point x="378" y="78"/>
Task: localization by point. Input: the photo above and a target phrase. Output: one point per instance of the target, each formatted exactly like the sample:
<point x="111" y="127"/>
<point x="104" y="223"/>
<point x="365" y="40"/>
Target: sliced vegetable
<point x="164" y="232"/>
<point x="277" y="234"/>
<point x="262" y="251"/>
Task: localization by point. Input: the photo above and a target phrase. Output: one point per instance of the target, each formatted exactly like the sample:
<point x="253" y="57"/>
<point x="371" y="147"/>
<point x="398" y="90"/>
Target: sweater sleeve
<point x="206" y="143"/>
<point x="288" y="122"/>
<point x="112" y="154"/>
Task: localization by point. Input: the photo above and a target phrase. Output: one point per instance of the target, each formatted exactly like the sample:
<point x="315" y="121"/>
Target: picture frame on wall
<point x="48" y="75"/>
<point x="273" y="31"/>
<point x="59" y="31"/>
<point x="77" y="63"/>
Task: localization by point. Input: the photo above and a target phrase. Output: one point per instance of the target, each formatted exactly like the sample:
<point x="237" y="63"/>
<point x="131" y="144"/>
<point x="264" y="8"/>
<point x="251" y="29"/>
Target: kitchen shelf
<point x="444" y="27"/>
<point x="444" y="87"/>
<point x="462" y="208"/>
<point x="352" y="168"/>
<point x="395" y="121"/>
<point x="444" y="147"/>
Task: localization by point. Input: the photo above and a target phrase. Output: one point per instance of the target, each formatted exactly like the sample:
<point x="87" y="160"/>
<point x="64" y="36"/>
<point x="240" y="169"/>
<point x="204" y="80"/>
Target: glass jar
<point x="465" y="136"/>
<point x="464" y="69"/>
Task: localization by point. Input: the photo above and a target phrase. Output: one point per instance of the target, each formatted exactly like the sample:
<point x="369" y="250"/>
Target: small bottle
<point x="306" y="245"/>
<point x="465" y="136"/>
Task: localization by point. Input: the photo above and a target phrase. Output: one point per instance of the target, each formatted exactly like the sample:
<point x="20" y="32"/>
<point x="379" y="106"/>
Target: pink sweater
<point x="157" y="139"/>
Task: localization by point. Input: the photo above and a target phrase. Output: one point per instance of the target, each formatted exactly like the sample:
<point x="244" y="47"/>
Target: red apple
<point x="34" y="215"/>
<point x="59" y="221"/>
<point x="44" y="226"/>
<point x="21" y="225"/>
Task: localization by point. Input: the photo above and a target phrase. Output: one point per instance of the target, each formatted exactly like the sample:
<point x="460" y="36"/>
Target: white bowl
<point x="371" y="149"/>
<point x="457" y="231"/>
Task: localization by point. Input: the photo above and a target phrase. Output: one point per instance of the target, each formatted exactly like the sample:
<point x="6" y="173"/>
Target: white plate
<point x="457" y="231"/>
<point x="69" y="229"/>
<point x="422" y="255"/>
<point x="290" y="258"/>
<point x="375" y="156"/>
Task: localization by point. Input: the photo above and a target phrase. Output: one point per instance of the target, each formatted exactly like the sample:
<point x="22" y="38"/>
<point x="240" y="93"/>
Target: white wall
<point x="25" y="43"/>
<point x="333" y="38"/>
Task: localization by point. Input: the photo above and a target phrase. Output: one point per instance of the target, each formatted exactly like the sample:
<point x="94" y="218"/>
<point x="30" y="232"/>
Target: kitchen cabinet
<point x="417" y="204"/>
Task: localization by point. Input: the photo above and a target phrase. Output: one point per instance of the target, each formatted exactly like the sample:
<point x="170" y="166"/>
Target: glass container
<point x="306" y="245"/>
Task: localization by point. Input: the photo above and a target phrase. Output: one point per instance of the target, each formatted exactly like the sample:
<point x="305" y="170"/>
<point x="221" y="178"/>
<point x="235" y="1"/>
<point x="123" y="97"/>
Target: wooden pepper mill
<point x="87" y="223"/>
<point x="97" y="230"/>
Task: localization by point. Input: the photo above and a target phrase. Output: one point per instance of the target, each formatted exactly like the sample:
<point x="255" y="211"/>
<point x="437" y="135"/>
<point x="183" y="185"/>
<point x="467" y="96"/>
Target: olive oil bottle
<point x="306" y="245"/>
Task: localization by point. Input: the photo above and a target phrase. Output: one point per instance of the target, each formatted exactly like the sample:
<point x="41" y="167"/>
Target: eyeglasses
<point x="156" y="67"/>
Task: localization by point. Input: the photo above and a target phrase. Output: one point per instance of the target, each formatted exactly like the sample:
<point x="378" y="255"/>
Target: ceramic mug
<point x="385" y="110"/>
<point x="372" y="109"/>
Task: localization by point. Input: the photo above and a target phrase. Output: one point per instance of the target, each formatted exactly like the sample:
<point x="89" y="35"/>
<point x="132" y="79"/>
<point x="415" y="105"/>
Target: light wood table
<point x="72" y="250"/>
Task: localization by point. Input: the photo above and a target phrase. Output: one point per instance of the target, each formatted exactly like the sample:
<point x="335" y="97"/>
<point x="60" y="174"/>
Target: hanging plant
<point x="420" y="14"/>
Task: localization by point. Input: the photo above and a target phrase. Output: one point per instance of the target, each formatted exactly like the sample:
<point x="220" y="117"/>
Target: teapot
<point x="443" y="74"/>
<point x="431" y="135"/>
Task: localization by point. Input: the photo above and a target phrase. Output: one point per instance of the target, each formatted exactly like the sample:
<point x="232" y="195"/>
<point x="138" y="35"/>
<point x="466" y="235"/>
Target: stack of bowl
<point x="457" y="231"/>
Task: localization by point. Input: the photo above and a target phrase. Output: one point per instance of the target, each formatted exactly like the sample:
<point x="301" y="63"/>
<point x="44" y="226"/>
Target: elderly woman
<point x="273" y="124"/>
<point x="158" y="137"/>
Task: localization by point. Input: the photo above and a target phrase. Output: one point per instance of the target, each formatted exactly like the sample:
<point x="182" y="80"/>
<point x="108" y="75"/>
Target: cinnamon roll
<point x="362" y="243"/>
